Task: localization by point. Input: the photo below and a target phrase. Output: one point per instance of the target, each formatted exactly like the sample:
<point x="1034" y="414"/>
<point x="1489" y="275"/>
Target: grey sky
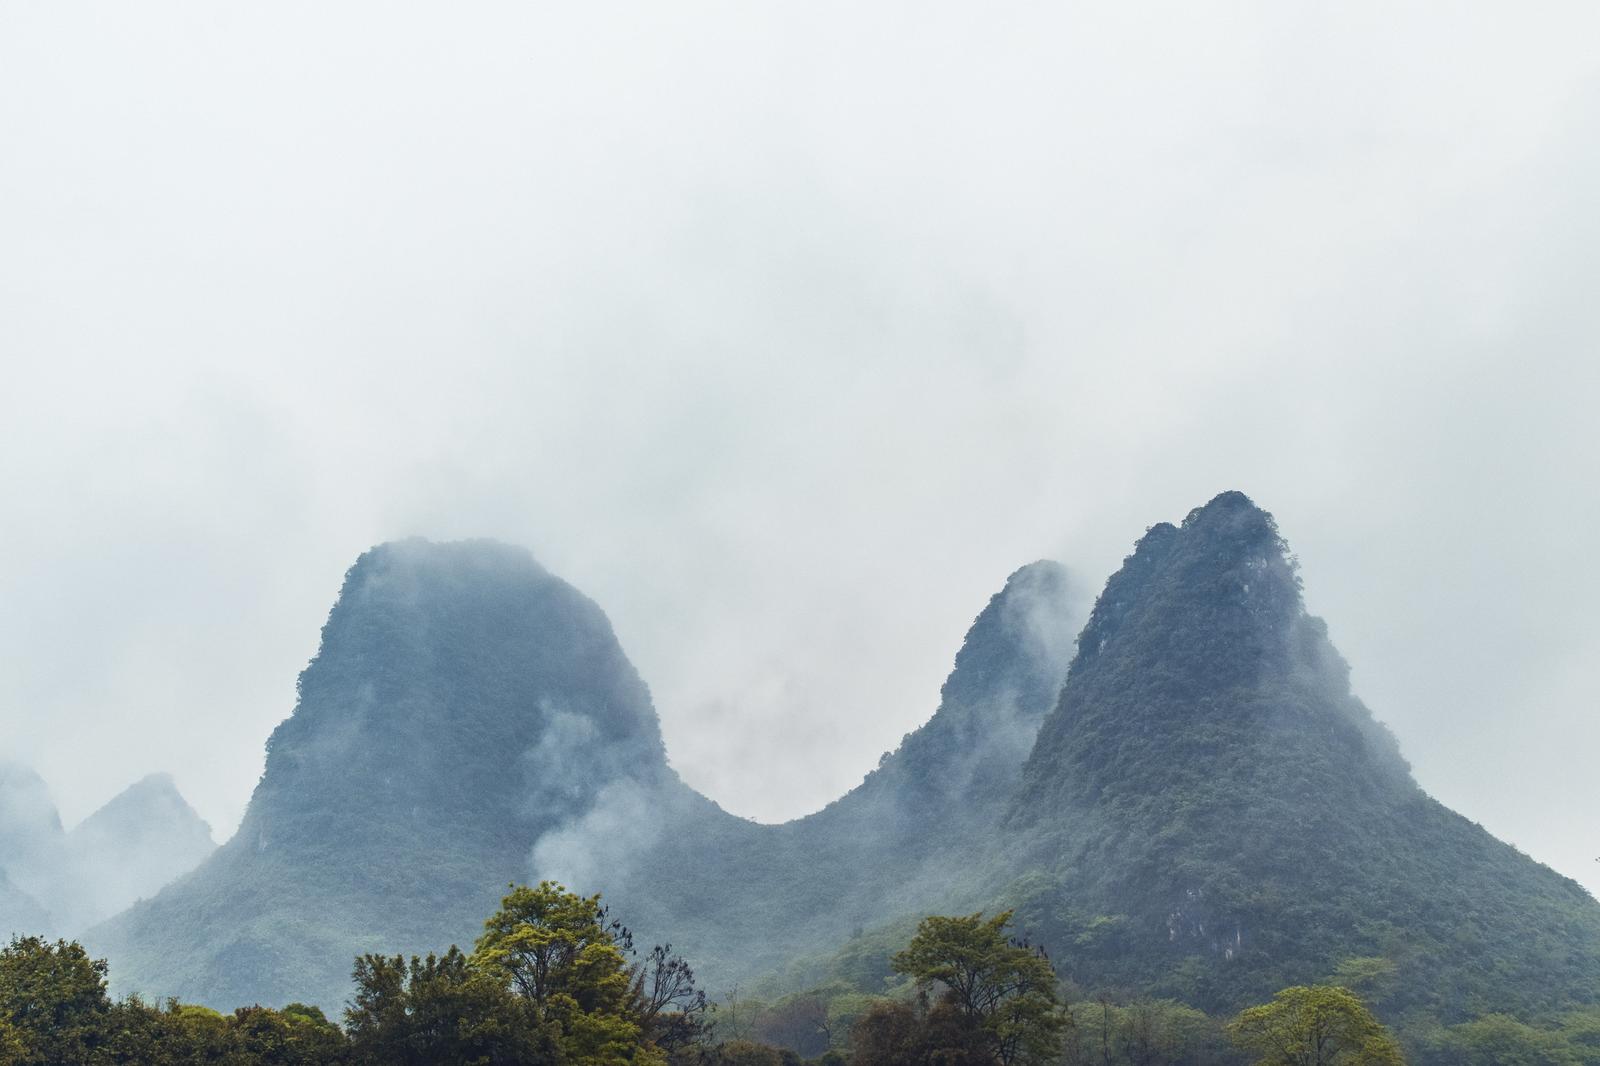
<point x="786" y="332"/>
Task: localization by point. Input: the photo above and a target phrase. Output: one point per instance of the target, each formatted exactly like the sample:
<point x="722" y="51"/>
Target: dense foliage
<point x="1001" y="987"/>
<point x="1319" y="1026"/>
<point x="54" y="1011"/>
<point x="552" y="981"/>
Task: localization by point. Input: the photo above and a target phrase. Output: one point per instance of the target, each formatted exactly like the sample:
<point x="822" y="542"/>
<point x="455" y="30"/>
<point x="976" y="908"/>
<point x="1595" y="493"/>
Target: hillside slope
<point x="471" y="720"/>
<point x="463" y="701"/>
<point x="744" y="900"/>
<point x="1210" y="813"/>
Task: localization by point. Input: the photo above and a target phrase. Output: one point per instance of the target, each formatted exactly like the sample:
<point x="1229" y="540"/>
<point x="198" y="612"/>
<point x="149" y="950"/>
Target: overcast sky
<point x="786" y="332"/>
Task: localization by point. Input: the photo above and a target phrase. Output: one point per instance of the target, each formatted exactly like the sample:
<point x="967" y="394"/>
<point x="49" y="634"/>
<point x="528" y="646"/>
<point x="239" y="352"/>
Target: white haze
<point x="786" y="332"/>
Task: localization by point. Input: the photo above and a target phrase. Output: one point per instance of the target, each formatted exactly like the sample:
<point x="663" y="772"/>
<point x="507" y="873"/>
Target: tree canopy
<point x="1002" y="984"/>
<point x="1320" y="1025"/>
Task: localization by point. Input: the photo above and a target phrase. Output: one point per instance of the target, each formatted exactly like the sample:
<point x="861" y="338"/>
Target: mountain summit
<point x="463" y="702"/>
<point x="1210" y="813"/>
<point x="140" y="841"/>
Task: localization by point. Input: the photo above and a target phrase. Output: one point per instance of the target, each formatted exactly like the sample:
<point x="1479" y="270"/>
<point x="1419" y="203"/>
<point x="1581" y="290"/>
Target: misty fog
<point x="785" y="333"/>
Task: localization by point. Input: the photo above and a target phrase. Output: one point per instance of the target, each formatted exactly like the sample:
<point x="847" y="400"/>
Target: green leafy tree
<point x="896" y="1033"/>
<point x="1004" y="985"/>
<point x="313" y="1035"/>
<point x="12" y="1050"/>
<point x="54" y="998"/>
<point x="441" y="1011"/>
<point x="260" y="1035"/>
<point x="1320" y="1025"/>
<point x="1501" y="1040"/>
<point x="1144" y="1033"/>
<point x="1581" y="1029"/>
<point x="298" y="1035"/>
<point x="190" y="1032"/>
<point x="1372" y="977"/>
<point x="562" y="955"/>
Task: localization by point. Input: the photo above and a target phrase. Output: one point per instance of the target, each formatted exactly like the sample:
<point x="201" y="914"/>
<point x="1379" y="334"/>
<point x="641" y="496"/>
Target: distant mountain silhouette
<point x="32" y="850"/>
<point x="136" y="844"/>
<point x="20" y="913"/>
<point x="55" y="882"/>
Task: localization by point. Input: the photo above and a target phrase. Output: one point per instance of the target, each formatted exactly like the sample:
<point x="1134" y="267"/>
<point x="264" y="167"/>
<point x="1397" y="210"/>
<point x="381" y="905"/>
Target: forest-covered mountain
<point x="1209" y="813"/>
<point x="1202" y="810"/>
<point x="60" y="882"/>
<point x="463" y="702"/>
<point x="470" y="720"/>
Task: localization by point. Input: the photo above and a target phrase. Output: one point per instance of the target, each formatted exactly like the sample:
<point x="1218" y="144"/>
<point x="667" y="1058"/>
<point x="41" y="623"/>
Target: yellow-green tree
<point x="12" y="1051"/>
<point x="1319" y="1025"/>
<point x="1501" y="1040"/>
<point x="560" y="954"/>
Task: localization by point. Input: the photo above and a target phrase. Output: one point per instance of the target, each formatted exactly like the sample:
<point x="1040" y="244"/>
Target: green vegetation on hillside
<point x="551" y="981"/>
<point x="1201" y="816"/>
<point x="1210" y="814"/>
<point x="554" y="980"/>
<point x="467" y="710"/>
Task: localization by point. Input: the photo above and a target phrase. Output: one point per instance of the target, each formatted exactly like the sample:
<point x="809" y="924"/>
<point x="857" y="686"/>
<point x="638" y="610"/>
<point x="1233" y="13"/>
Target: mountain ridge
<point x="1188" y="799"/>
<point x="441" y="663"/>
